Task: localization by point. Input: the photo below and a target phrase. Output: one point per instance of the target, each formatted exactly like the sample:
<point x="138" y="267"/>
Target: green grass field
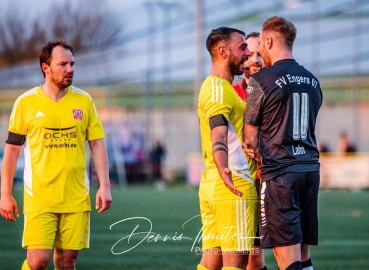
<point x="171" y="217"/>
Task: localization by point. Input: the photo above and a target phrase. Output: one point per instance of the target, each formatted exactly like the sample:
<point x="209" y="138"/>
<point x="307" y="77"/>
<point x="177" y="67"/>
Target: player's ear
<point x="269" y="42"/>
<point x="45" y="68"/>
<point x="222" y="51"/>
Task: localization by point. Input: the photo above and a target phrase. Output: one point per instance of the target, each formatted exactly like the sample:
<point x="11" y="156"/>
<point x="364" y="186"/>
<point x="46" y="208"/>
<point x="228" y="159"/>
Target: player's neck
<point x="222" y="73"/>
<point x="247" y="79"/>
<point x="282" y="55"/>
<point x="54" y="92"/>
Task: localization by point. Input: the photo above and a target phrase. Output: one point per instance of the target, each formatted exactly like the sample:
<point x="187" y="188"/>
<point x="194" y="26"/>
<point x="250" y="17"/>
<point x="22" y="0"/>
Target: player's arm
<point x="251" y="141"/>
<point x="219" y="138"/>
<point x="8" y="205"/>
<point x="100" y="157"/>
<point x="253" y="119"/>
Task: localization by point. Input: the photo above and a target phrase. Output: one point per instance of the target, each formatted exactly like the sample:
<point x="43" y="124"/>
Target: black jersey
<point x="283" y="100"/>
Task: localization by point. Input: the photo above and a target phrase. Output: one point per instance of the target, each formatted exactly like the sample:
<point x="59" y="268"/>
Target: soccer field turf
<point x="121" y="238"/>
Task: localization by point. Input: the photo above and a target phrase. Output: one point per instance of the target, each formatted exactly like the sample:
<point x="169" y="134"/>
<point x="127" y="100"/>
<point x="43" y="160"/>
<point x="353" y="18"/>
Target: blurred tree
<point x="86" y="24"/>
<point x="16" y="44"/>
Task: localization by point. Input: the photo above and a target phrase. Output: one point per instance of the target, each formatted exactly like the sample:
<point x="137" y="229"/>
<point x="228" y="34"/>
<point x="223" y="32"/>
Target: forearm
<point x="219" y="138"/>
<point x="101" y="161"/>
<point x="251" y="139"/>
<point x="220" y="147"/>
<point x="9" y="165"/>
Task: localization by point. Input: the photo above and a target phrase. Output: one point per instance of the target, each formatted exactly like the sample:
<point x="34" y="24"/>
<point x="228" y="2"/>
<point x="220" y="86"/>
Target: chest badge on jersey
<point x="78" y="114"/>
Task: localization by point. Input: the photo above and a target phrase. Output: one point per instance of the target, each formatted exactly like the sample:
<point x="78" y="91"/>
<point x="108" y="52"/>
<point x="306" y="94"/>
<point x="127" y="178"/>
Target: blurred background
<point x="143" y="63"/>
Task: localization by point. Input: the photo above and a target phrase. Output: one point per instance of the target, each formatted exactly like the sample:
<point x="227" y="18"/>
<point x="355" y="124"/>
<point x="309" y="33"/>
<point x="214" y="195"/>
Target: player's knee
<point x="305" y="252"/>
<point x="65" y="260"/>
<point x="37" y="263"/>
<point x="65" y="263"/>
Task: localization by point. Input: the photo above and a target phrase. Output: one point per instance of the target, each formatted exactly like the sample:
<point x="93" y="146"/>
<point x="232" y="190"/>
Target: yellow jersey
<point x="217" y="96"/>
<point x="55" y="178"/>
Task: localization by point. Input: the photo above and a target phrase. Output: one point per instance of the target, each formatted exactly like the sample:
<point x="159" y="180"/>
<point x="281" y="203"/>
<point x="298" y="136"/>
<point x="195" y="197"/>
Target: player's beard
<point x="235" y="64"/>
<point x="63" y="82"/>
<point x="266" y="57"/>
<point x="249" y="71"/>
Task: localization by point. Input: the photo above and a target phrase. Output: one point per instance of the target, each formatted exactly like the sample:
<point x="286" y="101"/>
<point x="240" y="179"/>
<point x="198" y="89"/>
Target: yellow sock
<point x="25" y="266"/>
<point x="230" y="268"/>
<point x="201" y="267"/>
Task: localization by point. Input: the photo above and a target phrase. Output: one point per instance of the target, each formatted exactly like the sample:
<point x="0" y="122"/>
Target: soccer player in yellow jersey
<point x="228" y="198"/>
<point x="53" y="121"/>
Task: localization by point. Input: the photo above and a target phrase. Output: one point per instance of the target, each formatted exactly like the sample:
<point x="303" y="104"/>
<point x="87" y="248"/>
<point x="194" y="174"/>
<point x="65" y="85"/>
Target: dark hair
<point x="220" y="34"/>
<point x="46" y="51"/>
<point x="282" y="26"/>
<point x="253" y="34"/>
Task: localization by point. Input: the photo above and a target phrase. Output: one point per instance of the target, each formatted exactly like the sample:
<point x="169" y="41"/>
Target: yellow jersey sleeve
<point x="18" y="119"/>
<point x="213" y="99"/>
<point x="95" y="129"/>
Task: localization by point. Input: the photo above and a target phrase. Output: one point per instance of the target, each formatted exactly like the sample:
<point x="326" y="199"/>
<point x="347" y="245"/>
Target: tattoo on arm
<point x="220" y="149"/>
<point x="223" y="147"/>
<point x="220" y="143"/>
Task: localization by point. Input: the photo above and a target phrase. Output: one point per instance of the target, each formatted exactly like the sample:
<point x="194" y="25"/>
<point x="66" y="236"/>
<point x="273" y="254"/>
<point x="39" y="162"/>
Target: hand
<point x="226" y="175"/>
<point x="8" y="206"/>
<point x="251" y="153"/>
<point x="103" y="199"/>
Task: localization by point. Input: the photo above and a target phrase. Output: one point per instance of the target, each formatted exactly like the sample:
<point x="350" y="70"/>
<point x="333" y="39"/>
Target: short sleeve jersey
<point x="55" y="178"/>
<point x="284" y="100"/>
<point x="218" y="97"/>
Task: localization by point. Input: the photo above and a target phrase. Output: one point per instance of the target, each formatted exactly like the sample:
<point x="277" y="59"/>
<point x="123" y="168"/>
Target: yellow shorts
<point x="229" y="224"/>
<point x="69" y="231"/>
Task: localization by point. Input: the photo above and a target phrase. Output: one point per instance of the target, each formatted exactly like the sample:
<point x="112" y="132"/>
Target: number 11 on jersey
<point x="300" y="115"/>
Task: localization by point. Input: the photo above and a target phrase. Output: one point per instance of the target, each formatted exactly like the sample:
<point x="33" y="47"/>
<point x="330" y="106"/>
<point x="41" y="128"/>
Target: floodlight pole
<point x="167" y="8"/>
<point x="199" y="28"/>
<point x="199" y="76"/>
<point x="150" y="71"/>
<point x="356" y="75"/>
<point x="315" y="36"/>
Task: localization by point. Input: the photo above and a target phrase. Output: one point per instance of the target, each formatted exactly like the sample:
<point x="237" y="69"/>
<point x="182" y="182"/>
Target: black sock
<point x="295" y="266"/>
<point x="306" y="263"/>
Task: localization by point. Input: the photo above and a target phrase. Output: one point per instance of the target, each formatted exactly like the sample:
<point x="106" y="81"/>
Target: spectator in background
<point x="322" y="147"/>
<point x="157" y="155"/>
<point x="344" y="144"/>
<point x="253" y="64"/>
<point x="133" y="153"/>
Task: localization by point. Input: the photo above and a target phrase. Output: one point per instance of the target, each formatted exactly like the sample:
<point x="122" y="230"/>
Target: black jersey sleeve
<point x="254" y="103"/>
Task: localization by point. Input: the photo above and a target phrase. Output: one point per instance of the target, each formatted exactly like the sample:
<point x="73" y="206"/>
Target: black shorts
<point x="288" y="212"/>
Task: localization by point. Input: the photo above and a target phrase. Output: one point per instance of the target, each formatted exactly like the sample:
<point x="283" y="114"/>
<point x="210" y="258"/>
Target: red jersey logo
<point x="77" y="114"/>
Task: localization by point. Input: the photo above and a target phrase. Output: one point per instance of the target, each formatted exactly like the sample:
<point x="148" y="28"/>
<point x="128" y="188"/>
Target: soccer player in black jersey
<point x="282" y="105"/>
